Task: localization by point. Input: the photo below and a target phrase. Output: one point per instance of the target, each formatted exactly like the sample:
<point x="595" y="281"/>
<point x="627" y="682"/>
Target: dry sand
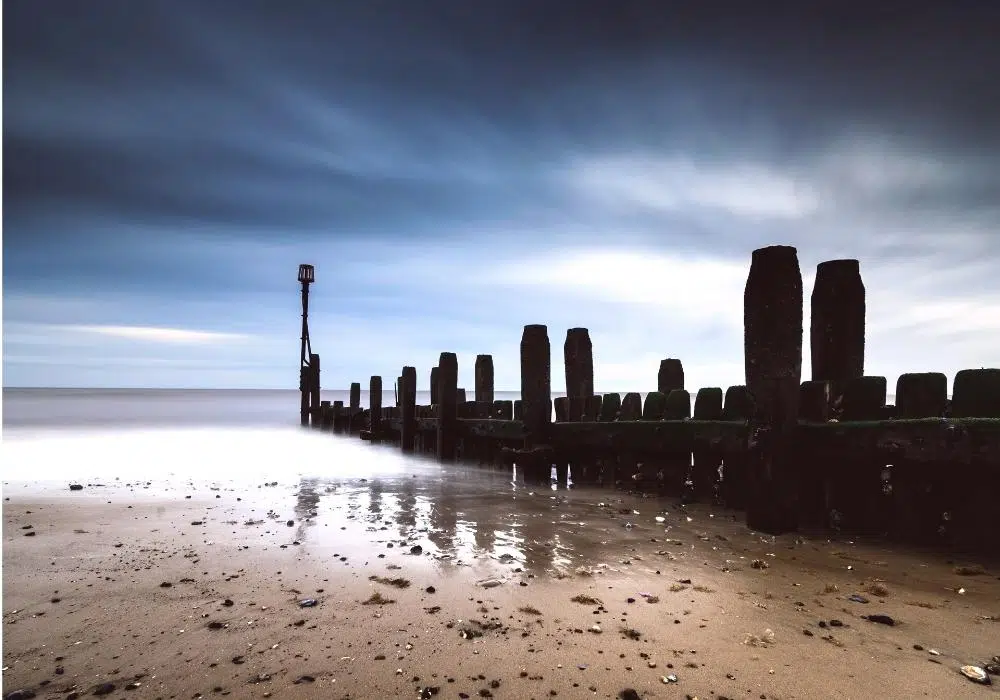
<point x="179" y="591"/>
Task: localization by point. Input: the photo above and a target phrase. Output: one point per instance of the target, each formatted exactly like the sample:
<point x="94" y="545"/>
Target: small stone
<point x="880" y="619"/>
<point x="76" y="487"/>
<point x="166" y="584"/>
<point x="22" y="694"/>
<point x="290" y="523"/>
<point x="416" y="549"/>
<point x="430" y="589"/>
<point x="304" y="679"/>
<point x="104" y="689"/>
<point x="308" y="603"/>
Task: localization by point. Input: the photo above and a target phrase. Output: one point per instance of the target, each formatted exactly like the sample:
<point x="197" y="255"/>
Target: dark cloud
<point x="429" y="119"/>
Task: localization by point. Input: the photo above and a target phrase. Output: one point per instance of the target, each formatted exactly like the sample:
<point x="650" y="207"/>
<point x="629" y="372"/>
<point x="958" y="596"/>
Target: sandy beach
<point x="481" y="589"/>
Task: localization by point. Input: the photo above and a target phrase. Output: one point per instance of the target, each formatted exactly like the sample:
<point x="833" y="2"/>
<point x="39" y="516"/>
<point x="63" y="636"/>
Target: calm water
<point x="124" y="445"/>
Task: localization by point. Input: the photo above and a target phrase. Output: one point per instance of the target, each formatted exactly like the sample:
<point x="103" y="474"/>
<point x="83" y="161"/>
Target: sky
<point x="456" y="170"/>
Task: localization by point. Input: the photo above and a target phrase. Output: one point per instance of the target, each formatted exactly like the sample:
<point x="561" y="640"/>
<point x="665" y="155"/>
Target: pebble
<point x="975" y="674"/>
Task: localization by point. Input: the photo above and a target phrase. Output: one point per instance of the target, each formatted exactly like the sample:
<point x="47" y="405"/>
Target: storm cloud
<point x="456" y="170"/>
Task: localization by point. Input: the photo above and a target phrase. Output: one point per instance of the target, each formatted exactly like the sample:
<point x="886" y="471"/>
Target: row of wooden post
<point x="779" y="493"/>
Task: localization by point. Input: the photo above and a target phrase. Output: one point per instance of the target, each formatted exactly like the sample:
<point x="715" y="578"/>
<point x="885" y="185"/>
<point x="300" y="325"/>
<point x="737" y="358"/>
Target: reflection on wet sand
<point x="463" y="515"/>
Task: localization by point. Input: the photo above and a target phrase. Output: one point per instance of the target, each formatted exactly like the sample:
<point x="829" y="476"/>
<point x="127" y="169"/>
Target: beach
<point x="401" y="578"/>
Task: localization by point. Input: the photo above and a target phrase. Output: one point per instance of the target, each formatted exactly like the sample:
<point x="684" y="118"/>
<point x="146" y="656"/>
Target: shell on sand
<point x="976" y="674"/>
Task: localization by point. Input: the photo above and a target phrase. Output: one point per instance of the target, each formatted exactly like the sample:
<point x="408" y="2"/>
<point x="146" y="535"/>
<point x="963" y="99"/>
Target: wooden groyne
<point x="824" y="453"/>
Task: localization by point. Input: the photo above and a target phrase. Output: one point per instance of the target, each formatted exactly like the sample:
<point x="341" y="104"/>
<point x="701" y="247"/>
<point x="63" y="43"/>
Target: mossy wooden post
<point x="484" y="378"/>
<point x="706" y="460"/>
<point x="916" y="508"/>
<point x="973" y="510"/>
<point x="447" y="428"/>
<point x="855" y="487"/>
<point x="837" y="328"/>
<point x="408" y="409"/>
<point x="673" y="466"/>
<point x="676" y="464"/>
<point x="612" y="468"/>
<point x="670" y="376"/>
<point x="375" y="406"/>
<point x="816" y="465"/>
<point x="536" y="392"/>
<point x="736" y="407"/>
<point x="772" y="322"/>
<point x="314" y="400"/>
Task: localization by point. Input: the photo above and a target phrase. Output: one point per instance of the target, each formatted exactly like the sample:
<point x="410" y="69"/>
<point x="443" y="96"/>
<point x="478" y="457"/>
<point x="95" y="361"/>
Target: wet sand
<point x="181" y="589"/>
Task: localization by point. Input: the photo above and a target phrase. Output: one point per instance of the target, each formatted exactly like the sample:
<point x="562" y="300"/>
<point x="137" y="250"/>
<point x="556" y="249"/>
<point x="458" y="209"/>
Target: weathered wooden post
<point x="355" y="407"/>
<point x="816" y="464"/>
<point x="447" y="427"/>
<point x="772" y="321"/>
<point x="974" y="512"/>
<point x="435" y="394"/>
<point x="536" y="393"/>
<point x="408" y="409"/>
<point x="670" y="376"/>
<point x="837" y="328"/>
<point x="314" y="400"/>
<point x="673" y="466"/>
<point x="460" y="396"/>
<point x="578" y="354"/>
<point x="484" y="378"/>
<point x="737" y="408"/>
<point x="706" y="461"/>
<point x="578" y="357"/>
<point x="338" y="411"/>
<point x="375" y="406"/>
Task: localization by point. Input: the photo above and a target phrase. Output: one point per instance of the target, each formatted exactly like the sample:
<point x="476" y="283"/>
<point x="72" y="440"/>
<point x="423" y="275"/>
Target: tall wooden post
<point x="408" y="410"/>
<point x="375" y="406"/>
<point x="484" y="378"/>
<point x="837" y="327"/>
<point x="578" y="356"/>
<point x="448" y="406"/>
<point x="772" y="320"/>
<point x="536" y="382"/>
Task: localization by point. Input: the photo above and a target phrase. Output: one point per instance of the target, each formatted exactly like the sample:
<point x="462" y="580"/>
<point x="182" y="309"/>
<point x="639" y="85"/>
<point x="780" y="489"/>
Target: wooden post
<point x="737" y="407"/>
<point x="314" y="389"/>
<point x="674" y="468"/>
<point x="305" y="391"/>
<point x="447" y="426"/>
<point x="338" y="413"/>
<point x="460" y="396"/>
<point x="375" y="405"/>
<point x="354" y="410"/>
<point x="772" y="321"/>
<point x="484" y="378"/>
<point x="670" y="376"/>
<point x="435" y="393"/>
<point x="706" y="461"/>
<point x="973" y="511"/>
<point x="578" y="355"/>
<point x="837" y="328"/>
<point x="536" y="392"/>
<point x="816" y="465"/>
<point x="408" y="410"/>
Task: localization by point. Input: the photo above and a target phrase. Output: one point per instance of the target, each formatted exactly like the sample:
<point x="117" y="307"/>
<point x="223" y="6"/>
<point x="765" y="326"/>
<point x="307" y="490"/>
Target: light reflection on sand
<point x="459" y="515"/>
